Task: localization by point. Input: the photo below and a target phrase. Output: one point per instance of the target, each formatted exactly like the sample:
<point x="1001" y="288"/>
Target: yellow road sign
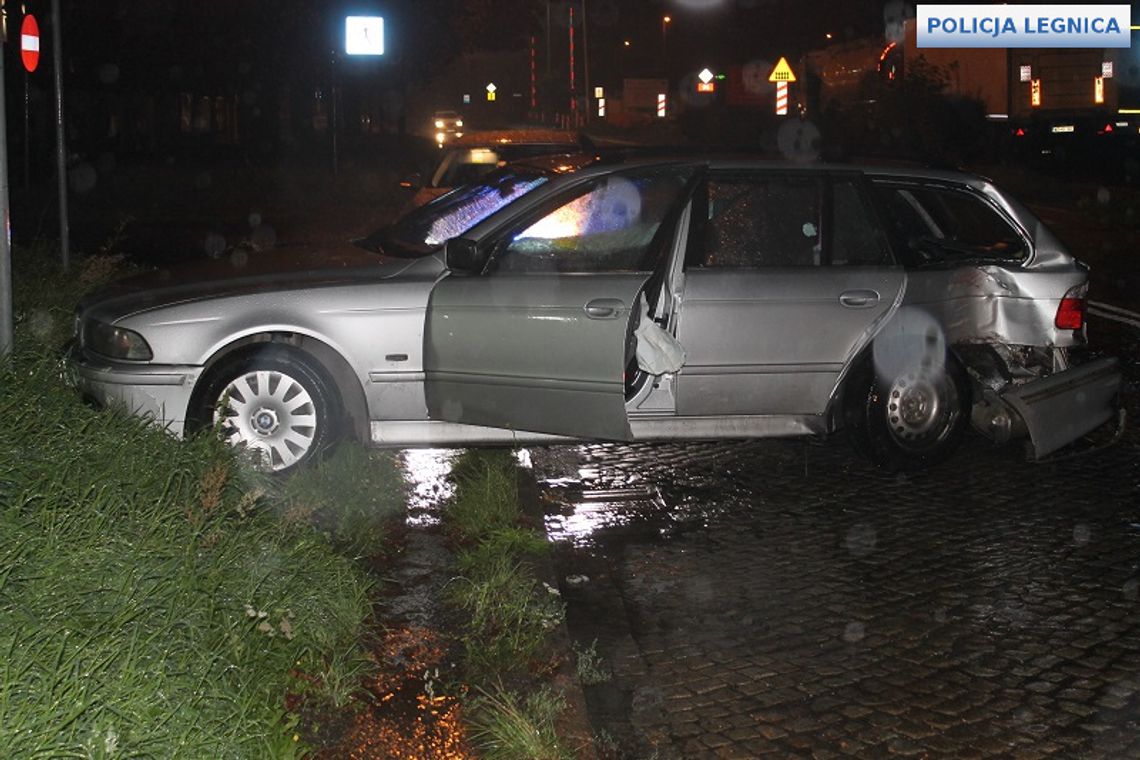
<point x="783" y="72"/>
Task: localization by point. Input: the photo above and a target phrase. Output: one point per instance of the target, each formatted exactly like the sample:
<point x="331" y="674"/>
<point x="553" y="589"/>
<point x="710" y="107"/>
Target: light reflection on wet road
<point x="426" y="472"/>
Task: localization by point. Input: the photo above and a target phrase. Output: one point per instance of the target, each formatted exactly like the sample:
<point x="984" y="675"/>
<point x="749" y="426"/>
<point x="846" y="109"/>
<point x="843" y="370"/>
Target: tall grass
<point x="150" y="605"/>
<point x="507" y="613"/>
<point x="508" y="727"/>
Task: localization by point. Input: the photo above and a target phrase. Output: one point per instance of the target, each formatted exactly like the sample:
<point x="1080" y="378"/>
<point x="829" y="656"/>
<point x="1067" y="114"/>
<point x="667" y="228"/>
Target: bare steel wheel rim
<point x="269" y="414"/>
<point x="921" y="407"/>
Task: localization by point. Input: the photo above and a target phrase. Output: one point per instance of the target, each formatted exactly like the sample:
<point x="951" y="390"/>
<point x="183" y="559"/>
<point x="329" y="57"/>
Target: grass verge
<point x="507" y="615"/>
<point x="150" y="602"/>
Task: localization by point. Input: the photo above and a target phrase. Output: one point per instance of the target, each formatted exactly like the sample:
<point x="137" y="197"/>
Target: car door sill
<point x="645" y="427"/>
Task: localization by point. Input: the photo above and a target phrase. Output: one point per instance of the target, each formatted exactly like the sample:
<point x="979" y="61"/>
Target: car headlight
<point x="440" y="137"/>
<point x="115" y="342"/>
<point x="439" y="123"/>
<point x="459" y="122"/>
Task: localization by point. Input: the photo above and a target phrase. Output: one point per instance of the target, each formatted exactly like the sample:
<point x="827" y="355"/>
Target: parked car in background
<point x="446" y="126"/>
<point x="567" y="297"/>
<point x="469" y="157"/>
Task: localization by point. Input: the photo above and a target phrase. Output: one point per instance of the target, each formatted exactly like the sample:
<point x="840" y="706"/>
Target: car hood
<point x="280" y="270"/>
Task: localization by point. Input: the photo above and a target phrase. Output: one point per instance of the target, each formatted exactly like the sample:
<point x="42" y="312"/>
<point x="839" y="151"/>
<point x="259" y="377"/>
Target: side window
<point x="855" y="236"/>
<point x="609" y="227"/>
<point x="762" y="221"/>
<point x="943" y="225"/>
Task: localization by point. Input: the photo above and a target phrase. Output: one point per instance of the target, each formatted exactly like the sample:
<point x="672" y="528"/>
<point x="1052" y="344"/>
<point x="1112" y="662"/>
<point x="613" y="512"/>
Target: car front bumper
<point x="160" y="393"/>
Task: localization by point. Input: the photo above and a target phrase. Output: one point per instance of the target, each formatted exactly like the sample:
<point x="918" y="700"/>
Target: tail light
<point x="1071" y="311"/>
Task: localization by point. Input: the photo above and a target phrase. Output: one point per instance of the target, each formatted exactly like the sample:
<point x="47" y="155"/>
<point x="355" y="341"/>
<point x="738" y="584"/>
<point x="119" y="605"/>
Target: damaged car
<point x="578" y="297"/>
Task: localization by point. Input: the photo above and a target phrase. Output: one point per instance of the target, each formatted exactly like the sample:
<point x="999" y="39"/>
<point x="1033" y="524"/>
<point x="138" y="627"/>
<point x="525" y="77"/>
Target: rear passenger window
<point x="787" y="220"/>
<point x="762" y="222"/>
<point x="936" y="225"/>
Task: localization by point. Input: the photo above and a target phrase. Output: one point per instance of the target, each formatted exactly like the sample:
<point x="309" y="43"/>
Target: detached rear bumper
<point x="1061" y="408"/>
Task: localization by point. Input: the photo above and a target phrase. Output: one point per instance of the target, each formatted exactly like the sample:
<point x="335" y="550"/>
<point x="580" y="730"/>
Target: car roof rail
<point x="615" y="153"/>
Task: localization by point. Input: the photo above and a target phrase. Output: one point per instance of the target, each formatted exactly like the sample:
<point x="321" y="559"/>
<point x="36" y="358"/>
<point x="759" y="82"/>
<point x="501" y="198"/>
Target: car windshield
<point x="425" y="229"/>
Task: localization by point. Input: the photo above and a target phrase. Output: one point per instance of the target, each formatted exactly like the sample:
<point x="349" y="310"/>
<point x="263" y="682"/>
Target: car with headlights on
<point x="446" y="125"/>
<point x="570" y="297"/>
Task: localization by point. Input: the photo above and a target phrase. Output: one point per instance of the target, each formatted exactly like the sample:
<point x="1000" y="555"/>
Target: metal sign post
<point x="30" y="55"/>
<point x="60" y="137"/>
<point x="5" y="236"/>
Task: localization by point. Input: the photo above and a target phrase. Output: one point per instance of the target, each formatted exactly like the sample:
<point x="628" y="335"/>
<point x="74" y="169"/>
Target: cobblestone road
<point x="783" y="598"/>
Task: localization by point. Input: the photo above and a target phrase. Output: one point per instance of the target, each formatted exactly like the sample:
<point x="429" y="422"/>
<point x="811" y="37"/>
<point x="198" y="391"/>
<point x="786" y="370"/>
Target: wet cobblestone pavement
<point x="784" y="598"/>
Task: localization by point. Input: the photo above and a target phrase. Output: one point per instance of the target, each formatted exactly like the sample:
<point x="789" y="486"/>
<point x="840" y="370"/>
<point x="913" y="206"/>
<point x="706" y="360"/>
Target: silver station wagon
<point x="569" y="297"/>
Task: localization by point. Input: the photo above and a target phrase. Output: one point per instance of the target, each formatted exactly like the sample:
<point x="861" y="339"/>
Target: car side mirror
<point x="412" y="182"/>
<point x="463" y="255"/>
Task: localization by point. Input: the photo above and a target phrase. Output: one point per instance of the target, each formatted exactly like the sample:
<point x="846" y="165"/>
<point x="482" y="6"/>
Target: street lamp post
<point x="665" y="21"/>
<point x="586" y="63"/>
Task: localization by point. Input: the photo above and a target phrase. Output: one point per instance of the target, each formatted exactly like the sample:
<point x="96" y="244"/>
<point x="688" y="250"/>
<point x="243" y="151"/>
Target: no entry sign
<point x="30" y="43"/>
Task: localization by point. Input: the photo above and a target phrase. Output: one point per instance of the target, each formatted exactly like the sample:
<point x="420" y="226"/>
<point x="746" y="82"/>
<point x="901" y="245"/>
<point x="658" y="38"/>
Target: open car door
<point x="540" y="338"/>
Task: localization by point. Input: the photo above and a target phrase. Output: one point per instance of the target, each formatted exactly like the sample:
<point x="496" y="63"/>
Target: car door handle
<point x="604" y="308"/>
<point x="858" y="299"/>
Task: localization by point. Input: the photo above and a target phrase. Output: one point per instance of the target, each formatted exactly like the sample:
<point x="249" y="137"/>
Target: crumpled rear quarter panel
<point x="997" y="304"/>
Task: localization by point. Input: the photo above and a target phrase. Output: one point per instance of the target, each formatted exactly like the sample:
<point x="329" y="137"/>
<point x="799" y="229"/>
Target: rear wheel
<point x="909" y="419"/>
<point x="273" y="403"/>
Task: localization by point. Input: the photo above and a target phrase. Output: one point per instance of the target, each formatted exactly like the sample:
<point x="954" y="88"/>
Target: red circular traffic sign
<point x="30" y="43"/>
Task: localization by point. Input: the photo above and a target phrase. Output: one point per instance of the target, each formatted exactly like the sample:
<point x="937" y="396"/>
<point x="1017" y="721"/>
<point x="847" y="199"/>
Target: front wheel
<point x="273" y="403"/>
<point x="910" y="419"/>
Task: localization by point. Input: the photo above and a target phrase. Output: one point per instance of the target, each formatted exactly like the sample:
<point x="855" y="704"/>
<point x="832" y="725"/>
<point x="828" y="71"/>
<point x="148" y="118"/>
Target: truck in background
<point x="1064" y="106"/>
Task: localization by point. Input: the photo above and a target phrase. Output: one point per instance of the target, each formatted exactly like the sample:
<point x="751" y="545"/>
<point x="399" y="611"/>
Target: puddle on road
<point x="427" y="471"/>
<point x="581" y="514"/>
<point x="613" y="491"/>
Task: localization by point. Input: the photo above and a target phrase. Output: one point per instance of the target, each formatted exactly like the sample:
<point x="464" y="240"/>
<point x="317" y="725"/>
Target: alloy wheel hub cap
<point x="264" y="421"/>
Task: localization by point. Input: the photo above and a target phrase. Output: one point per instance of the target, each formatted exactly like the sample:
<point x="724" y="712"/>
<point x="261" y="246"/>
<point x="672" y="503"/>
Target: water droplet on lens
<point x="214" y="245"/>
<point x="861" y="540"/>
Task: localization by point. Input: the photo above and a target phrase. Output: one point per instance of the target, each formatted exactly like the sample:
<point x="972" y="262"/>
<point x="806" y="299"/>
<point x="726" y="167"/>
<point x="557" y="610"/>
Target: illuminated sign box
<point x="364" y="35"/>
